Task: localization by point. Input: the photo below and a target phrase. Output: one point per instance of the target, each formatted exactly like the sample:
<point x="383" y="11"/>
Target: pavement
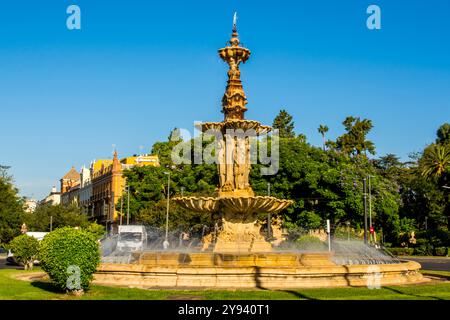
<point x="432" y="263"/>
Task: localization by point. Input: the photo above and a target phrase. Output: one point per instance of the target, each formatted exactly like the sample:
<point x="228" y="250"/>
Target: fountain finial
<point x="234" y="41"/>
<point x="234" y="100"/>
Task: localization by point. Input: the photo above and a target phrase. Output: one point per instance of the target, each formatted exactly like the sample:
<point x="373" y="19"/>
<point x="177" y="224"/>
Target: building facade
<point x="54" y="198"/>
<point x="30" y="205"/>
<point x="85" y="192"/>
<point x="97" y="190"/>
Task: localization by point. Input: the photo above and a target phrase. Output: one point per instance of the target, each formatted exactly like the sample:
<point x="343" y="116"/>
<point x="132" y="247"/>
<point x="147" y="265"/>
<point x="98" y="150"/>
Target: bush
<point x="401" y="251"/>
<point x="441" y="251"/>
<point x="70" y="257"/>
<point x="97" y="230"/>
<point x="25" y="249"/>
<point x="423" y="250"/>
<point x="310" y="243"/>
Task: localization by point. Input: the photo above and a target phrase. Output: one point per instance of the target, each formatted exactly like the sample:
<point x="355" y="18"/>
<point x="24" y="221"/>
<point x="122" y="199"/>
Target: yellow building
<point x="101" y="191"/>
<point x="142" y="160"/>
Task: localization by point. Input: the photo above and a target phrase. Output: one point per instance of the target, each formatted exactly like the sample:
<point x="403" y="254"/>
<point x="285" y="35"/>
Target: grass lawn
<point x="11" y="288"/>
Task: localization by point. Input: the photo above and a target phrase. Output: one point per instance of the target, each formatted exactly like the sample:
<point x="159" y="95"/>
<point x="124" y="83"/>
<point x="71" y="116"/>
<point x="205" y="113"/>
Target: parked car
<point x="10" y="258"/>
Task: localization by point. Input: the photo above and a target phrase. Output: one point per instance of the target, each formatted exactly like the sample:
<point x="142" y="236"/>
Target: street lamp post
<point x="269" y="216"/>
<point x="370" y="208"/>
<point x="121" y="210"/>
<point x="166" y="241"/>
<point x="348" y="230"/>
<point x="365" y="210"/>
<point x="329" y="234"/>
<point x="370" y="203"/>
<point x="128" y="205"/>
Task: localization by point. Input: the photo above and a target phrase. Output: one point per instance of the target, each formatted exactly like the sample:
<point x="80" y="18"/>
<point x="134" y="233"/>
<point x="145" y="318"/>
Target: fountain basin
<point x="268" y="270"/>
<point x="213" y="259"/>
<point x="236" y="205"/>
<point x="239" y="230"/>
<point x="199" y="204"/>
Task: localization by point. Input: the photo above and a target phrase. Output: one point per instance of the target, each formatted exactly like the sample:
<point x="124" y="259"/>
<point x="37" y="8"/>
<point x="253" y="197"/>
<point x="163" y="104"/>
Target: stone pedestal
<point x="240" y="233"/>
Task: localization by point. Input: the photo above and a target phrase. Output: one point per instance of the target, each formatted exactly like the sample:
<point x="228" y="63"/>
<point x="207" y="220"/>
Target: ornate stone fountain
<point x="235" y="201"/>
<point x="241" y="257"/>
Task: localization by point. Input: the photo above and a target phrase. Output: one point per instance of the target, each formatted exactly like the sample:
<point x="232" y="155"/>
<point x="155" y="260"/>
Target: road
<point x="3" y="264"/>
<point x="436" y="264"/>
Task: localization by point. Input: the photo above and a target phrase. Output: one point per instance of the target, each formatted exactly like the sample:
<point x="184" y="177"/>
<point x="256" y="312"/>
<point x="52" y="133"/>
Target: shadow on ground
<point x="438" y="276"/>
<point x="47" y="286"/>
<point x="411" y="294"/>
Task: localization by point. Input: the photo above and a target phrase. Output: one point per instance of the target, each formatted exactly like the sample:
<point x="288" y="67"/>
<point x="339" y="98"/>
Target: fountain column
<point x="236" y="203"/>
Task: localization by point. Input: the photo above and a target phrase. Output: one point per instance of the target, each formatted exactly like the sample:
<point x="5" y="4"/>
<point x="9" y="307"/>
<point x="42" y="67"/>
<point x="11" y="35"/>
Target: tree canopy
<point x="11" y="208"/>
<point x="406" y="197"/>
<point x="354" y="141"/>
<point x="284" y="123"/>
<point x="57" y="215"/>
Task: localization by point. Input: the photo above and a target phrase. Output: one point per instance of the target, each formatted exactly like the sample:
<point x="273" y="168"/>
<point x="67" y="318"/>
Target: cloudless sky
<point x="137" y="69"/>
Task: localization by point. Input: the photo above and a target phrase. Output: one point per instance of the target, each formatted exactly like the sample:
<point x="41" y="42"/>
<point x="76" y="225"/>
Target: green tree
<point x="354" y="141"/>
<point x="60" y="216"/>
<point x="11" y="208"/>
<point x="283" y="122"/>
<point x="323" y="129"/>
<point x="25" y="249"/>
<point x="148" y="188"/>
<point x="443" y="134"/>
<point x="390" y="167"/>
<point x="96" y="229"/>
<point x="435" y="161"/>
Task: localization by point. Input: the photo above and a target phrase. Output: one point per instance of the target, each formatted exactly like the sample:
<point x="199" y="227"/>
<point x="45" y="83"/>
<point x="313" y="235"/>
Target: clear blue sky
<point x="137" y="69"/>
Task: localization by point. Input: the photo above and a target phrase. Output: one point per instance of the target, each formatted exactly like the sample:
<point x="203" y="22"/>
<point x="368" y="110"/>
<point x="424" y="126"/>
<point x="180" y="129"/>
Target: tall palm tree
<point x="323" y="129"/>
<point x="435" y="161"/>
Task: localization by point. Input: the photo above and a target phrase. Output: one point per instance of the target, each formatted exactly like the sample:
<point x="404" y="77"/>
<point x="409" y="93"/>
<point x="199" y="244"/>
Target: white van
<point x="132" y="238"/>
<point x="38" y="235"/>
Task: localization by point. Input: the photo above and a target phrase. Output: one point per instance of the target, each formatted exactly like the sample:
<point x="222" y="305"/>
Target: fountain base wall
<point x="250" y="271"/>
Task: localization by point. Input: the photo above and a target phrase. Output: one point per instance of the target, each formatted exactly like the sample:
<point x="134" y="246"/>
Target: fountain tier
<point x="240" y="231"/>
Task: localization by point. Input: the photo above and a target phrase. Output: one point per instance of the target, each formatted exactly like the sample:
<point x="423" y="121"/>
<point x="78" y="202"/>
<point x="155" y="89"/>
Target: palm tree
<point x="323" y="129"/>
<point x="435" y="161"/>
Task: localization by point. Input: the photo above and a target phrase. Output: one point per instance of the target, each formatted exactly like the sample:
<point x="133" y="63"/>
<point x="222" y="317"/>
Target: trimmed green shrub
<point x="97" y="230"/>
<point x="70" y="257"/>
<point x="25" y="249"/>
<point x="310" y="243"/>
<point x="441" y="251"/>
<point x="423" y="250"/>
<point x="401" y="251"/>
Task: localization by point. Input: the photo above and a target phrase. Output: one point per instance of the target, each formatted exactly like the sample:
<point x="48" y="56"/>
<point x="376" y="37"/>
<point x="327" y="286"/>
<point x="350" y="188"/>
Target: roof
<point x="72" y="175"/>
